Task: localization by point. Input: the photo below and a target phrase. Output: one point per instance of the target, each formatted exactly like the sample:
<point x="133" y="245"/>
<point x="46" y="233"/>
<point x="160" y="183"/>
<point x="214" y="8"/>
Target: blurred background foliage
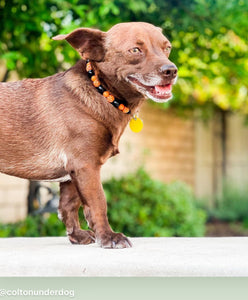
<point x="153" y="208"/>
<point x="137" y="206"/>
<point x="212" y="56"/>
<point x="209" y="39"/>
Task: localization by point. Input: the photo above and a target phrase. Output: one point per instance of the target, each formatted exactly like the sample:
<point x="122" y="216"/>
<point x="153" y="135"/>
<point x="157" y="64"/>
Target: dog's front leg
<point x="88" y="183"/>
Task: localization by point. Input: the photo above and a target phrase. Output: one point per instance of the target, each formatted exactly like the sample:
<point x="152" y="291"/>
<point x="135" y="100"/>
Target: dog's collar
<point x="109" y="97"/>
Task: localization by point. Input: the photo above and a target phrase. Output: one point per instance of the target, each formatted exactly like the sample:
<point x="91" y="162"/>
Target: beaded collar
<point x="109" y="97"/>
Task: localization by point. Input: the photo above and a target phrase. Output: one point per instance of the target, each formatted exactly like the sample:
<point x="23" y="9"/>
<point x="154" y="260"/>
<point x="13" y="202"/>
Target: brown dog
<point x="64" y="127"/>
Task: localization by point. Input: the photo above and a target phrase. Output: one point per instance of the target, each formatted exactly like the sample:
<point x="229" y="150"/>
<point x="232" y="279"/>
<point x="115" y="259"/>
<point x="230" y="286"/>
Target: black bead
<point x="91" y="73"/>
<point x="129" y="112"/>
<point x="101" y="89"/>
<point x="115" y="103"/>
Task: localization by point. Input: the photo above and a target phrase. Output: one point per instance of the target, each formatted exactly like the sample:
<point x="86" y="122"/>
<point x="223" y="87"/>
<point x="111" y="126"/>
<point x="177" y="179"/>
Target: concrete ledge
<point x="55" y="256"/>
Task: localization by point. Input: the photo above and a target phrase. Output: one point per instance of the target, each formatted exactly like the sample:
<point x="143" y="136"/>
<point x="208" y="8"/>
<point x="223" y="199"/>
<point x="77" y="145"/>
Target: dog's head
<point x="137" y="53"/>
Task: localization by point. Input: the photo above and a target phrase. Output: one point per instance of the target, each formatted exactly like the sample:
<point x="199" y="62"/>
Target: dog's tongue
<point x="163" y="89"/>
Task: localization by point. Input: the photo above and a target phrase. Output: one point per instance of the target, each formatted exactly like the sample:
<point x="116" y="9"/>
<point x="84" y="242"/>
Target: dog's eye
<point x="135" y="50"/>
<point x="168" y="49"/>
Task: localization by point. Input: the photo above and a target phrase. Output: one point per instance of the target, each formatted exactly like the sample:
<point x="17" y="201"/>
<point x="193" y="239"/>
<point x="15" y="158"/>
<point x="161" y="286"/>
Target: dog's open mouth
<point x="159" y="93"/>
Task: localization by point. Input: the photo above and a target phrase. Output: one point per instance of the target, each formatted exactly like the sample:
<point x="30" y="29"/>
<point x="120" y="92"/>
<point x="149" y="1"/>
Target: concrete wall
<point x="237" y="150"/>
<point x="13" y="198"/>
<point x="208" y="159"/>
<point x="209" y="155"/>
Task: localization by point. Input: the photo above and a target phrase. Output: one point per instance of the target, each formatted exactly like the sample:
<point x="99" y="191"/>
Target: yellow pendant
<point x="136" y="124"/>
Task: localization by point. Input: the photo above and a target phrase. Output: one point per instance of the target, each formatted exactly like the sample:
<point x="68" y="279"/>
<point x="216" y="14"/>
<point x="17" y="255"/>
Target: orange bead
<point x="125" y="110"/>
<point x="88" y="67"/>
<point x="106" y="94"/>
<point x="94" y="77"/>
<point x="96" y="83"/>
<point x="110" y="98"/>
<point x="121" y="107"/>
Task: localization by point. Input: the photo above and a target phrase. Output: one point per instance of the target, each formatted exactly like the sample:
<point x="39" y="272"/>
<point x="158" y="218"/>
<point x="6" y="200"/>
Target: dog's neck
<point x="79" y="84"/>
<point x="120" y="88"/>
<point x="94" y="77"/>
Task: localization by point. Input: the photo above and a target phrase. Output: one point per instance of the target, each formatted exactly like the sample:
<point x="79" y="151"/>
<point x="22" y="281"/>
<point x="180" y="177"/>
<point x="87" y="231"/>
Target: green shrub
<point x="232" y="204"/>
<point x="137" y="206"/>
<point x="140" y="206"/>
<point x="34" y="226"/>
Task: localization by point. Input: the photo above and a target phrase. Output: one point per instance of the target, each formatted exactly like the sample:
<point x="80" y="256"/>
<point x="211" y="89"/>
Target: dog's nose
<point x="169" y="71"/>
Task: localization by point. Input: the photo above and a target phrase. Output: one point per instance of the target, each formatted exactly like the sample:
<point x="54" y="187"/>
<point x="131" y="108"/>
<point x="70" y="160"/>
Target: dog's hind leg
<point x="68" y="212"/>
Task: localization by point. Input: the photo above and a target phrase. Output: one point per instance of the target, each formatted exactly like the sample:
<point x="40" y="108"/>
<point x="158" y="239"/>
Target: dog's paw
<point x="114" y="240"/>
<point x="82" y="237"/>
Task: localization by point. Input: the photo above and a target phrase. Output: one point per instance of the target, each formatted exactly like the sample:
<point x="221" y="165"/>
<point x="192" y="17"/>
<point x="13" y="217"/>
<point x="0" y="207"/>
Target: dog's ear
<point x="88" y="42"/>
